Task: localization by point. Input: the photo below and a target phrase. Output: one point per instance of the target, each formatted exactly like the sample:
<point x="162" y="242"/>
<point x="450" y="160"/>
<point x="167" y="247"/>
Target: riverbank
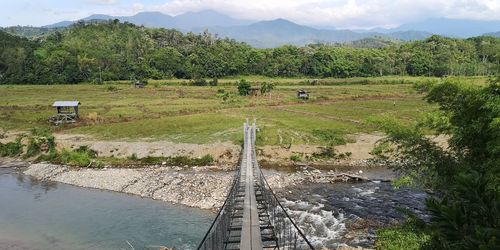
<point x="201" y="187"/>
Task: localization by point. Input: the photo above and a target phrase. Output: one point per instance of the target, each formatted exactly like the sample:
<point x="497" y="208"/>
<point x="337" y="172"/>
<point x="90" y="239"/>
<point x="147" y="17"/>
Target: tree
<point x="466" y="176"/>
<point x="266" y="88"/>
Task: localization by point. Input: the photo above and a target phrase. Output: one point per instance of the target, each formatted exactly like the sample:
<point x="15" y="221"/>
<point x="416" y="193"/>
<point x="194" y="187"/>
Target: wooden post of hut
<point x="67" y="112"/>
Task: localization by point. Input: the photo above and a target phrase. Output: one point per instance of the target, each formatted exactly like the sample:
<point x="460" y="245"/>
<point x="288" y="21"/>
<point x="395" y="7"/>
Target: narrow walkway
<point x="252" y="218"/>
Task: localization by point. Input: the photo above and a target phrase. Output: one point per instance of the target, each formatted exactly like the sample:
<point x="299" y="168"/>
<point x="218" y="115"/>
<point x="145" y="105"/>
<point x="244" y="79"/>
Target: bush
<point x="11" y="149"/>
<point x="81" y="157"/>
<point x="330" y="136"/>
<point x="199" y="82"/>
<point x="133" y="157"/>
<point x="40" y="140"/>
<point x="111" y="88"/>
<point x="244" y="87"/>
<point x="214" y="82"/>
<point x="413" y="234"/>
<point x="295" y="157"/>
<point x="424" y="86"/>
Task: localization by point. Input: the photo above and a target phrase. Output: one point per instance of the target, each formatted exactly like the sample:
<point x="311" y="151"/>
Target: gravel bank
<point x="201" y="187"/>
<point x="198" y="187"/>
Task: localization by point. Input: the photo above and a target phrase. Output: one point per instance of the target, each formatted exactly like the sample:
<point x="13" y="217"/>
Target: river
<point x="49" y="215"/>
<point x="349" y="214"/>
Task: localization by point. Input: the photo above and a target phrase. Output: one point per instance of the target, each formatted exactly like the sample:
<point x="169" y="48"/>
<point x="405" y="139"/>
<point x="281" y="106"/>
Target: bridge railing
<point x="287" y="234"/>
<point x="218" y="232"/>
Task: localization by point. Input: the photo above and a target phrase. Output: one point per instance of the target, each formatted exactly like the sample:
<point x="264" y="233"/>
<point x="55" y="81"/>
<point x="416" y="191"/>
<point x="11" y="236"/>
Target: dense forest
<point x="96" y="52"/>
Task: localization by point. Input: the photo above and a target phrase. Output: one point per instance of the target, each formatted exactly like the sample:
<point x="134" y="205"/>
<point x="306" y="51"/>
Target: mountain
<point x="62" y="24"/>
<point x="279" y="32"/>
<point x="495" y="34"/>
<point x="185" y="22"/>
<point x="461" y="28"/>
<point x="207" y="18"/>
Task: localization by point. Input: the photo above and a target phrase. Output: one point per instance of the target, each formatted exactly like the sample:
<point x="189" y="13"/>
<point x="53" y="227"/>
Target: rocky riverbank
<point x="201" y="187"/>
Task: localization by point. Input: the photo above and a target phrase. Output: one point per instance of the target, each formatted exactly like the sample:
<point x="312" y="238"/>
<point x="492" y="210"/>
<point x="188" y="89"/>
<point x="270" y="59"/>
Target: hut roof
<point x="66" y="104"/>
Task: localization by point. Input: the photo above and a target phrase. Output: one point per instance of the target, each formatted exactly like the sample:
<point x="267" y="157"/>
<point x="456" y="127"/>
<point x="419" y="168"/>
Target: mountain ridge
<point x="277" y="32"/>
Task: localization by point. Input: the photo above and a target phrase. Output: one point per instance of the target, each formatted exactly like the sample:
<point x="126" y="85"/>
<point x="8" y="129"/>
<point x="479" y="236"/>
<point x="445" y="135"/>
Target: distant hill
<point x="30" y="32"/>
<point x="280" y="32"/>
<point x="185" y="22"/>
<point x="273" y="33"/>
<point x="461" y="28"/>
<point x="494" y="34"/>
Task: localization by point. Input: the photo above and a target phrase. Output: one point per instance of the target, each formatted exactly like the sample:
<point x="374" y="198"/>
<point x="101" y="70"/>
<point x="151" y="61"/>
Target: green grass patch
<point x="172" y="110"/>
<point x="411" y="235"/>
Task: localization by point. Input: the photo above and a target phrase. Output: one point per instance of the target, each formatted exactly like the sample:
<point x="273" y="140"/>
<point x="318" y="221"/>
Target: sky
<point x="319" y="13"/>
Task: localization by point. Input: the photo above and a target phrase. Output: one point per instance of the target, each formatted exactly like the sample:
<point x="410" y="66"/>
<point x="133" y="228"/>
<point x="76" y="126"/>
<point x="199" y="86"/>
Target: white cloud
<point x="341" y="13"/>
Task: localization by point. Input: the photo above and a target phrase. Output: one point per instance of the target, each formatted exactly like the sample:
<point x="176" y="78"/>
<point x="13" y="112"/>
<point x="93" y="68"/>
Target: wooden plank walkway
<point x="250" y="231"/>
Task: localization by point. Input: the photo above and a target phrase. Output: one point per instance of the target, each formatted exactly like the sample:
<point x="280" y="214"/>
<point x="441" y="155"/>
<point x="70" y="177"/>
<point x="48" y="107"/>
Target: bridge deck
<point x="250" y="231"/>
<point x="252" y="217"/>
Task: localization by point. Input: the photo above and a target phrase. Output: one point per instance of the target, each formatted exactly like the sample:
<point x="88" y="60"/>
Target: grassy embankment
<point x="170" y="110"/>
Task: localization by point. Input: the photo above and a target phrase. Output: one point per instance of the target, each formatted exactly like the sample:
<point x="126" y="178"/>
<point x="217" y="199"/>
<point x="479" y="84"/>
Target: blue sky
<point x="338" y="13"/>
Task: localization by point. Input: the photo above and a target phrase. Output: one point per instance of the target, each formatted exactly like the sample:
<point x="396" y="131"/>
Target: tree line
<point x="102" y="51"/>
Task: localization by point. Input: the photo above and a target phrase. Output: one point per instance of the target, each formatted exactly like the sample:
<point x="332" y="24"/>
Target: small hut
<point x="139" y="85"/>
<point x="303" y="94"/>
<point x="67" y="112"/>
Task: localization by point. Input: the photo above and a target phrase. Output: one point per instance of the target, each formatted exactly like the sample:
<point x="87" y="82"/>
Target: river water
<point x="350" y="213"/>
<point x="49" y="215"/>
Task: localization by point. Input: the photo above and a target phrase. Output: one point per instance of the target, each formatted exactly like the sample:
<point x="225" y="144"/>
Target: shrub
<point x="11" y="149"/>
<point x="295" y="157"/>
<point x="330" y="136"/>
<point x="133" y="157"/>
<point x="424" y="86"/>
<point x="81" y="157"/>
<point x="40" y="140"/>
<point x="412" y="234"/>
<point x="244" y="87"/>
<point x="199" y="82"/>
<point x="214" y="82"/>
<point x="111" y="88"/>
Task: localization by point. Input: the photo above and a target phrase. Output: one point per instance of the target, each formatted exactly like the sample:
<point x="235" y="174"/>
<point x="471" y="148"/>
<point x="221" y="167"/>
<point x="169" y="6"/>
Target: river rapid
<point x="348" y="214"/>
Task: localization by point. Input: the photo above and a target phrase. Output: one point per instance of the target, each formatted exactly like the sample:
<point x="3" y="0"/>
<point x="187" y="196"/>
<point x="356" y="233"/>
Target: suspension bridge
<point x="252" y="217"/>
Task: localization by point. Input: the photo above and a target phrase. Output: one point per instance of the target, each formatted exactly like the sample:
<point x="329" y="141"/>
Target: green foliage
<point x="466" y="175"/>
<point x="214" y="82"/>
<point x="331" y="136"/>
<point x="11" y="149"/>
<point x="266" y="88"/>
<point x="205" y="160"/>
<point x="244" y="87"/>
<point x="133" y="157"/>
<point x="295" y="157"/>
<point x="111" y="88"/>
<point x="468" y="216"/>
<point x="424" y="86"/>
<point x="81" y="157"/>
<point x="40" y="140"/>
<point x="104" y="51"/>
<point x="412" y="234"/>
<point x="199" y="82"/>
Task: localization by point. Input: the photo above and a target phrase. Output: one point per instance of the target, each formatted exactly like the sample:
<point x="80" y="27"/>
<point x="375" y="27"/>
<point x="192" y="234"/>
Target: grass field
<point x="179" y="113"/>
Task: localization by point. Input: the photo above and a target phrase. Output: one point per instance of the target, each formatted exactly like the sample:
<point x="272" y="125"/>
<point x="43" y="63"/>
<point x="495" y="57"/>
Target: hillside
<point x="110" y="50"/>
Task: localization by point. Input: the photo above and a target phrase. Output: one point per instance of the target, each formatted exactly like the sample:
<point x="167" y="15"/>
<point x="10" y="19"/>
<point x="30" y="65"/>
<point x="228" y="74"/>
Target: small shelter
<point x="139" y="85"/>
<point x="303" y="94"/>
<point x="67" y="112"/>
